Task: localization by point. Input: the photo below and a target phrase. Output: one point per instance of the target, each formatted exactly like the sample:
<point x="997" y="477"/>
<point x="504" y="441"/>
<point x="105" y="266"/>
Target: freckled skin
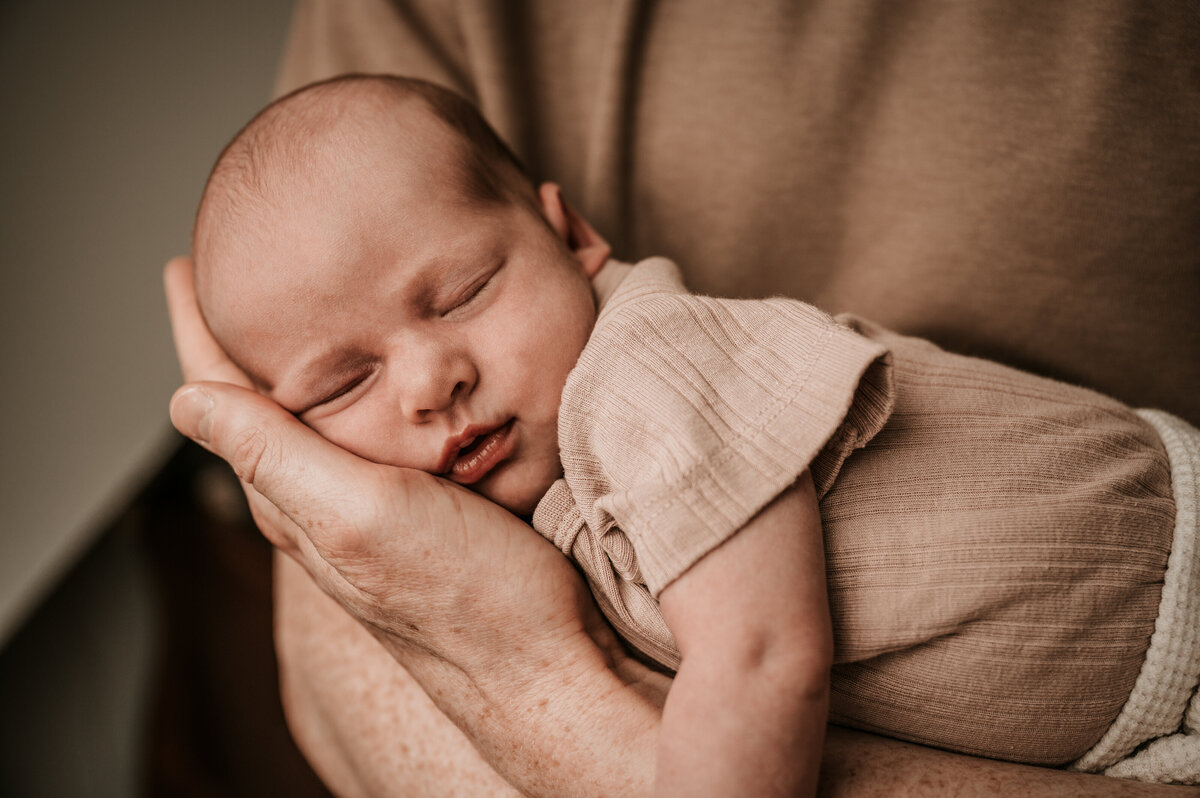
<point x="447" y="313"/>
<point x="864" y="765"/>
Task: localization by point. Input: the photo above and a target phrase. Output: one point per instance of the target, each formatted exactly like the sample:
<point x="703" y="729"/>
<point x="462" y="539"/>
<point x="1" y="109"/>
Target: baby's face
<point x="411" y="327"/>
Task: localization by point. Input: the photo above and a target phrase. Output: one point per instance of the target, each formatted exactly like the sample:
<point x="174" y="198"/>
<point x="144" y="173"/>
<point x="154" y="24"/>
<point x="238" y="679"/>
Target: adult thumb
<point x="302" y="474"/>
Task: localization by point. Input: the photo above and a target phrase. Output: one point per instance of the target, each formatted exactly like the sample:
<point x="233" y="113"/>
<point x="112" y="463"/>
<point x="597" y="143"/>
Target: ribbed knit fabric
<point x="700" y="411"/>
<point x="995" y="559"/>
<point x="1164" y="707"/>
<point x="995" y="551"/>
<point x="683" y="418"/>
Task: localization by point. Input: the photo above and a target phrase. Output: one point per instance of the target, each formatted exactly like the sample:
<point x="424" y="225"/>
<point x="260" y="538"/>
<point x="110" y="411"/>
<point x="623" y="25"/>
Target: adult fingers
<point x="380" y="540"/>
<point x="323" y="489"/>
<point x="200" y="356"/>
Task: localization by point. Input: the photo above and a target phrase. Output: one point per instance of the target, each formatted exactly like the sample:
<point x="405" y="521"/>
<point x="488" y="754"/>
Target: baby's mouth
<point x="471" y="446"/>
<point x="478" y="454"/>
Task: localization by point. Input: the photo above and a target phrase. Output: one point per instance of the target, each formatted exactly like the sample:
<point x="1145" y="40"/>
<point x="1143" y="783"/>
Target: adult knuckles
<point x="250" y="453"/>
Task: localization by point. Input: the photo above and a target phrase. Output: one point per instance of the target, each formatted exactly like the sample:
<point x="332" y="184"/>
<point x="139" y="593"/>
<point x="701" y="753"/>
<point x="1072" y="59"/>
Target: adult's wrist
<point x="587" y="727"/>
<point x="557" y="708"/>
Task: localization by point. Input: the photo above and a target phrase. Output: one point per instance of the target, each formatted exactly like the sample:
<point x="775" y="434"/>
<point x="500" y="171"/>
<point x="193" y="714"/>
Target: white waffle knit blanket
<point x="1157" y="735"/>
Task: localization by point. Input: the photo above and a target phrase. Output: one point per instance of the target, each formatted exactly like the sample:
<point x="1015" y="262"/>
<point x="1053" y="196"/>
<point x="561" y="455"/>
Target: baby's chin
<point x="520" y="496"/>
<point x="521" y="506"/>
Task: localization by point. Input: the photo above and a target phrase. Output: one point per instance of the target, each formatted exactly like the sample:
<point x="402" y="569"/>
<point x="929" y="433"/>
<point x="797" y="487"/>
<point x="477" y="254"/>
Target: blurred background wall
<point x="112" y="114"/>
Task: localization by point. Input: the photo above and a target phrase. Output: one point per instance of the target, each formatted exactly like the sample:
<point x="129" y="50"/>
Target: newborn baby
<point x="996" y="544"/>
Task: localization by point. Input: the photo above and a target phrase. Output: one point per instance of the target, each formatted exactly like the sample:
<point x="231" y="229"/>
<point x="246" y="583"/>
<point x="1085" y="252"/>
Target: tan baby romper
<point x="996" y="542"/>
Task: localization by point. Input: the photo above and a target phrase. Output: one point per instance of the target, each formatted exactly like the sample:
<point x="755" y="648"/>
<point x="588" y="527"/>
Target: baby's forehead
<point x="291" y="171"/>
<point x="293" y="163"/>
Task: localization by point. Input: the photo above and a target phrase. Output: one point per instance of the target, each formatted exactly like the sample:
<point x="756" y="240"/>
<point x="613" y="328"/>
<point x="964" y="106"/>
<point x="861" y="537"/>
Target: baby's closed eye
<point x="475" y="290"/>
<point x="339" y="390"/>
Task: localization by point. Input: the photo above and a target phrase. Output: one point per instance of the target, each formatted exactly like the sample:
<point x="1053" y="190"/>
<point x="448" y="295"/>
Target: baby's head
<point x="369" y="252"/>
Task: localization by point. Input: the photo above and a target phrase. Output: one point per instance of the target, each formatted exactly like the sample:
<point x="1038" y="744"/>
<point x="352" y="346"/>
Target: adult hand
<point x="389" y="543"/>
<point x="488" y="617"/>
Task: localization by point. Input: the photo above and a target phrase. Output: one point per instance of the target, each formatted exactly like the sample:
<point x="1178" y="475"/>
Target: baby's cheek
<point x="366" y="434"/>
<point x="334" y="431"/>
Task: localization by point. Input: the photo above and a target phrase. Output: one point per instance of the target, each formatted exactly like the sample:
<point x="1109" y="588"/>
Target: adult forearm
<point x="860" y="765"/>
<point x="369" y="728"/>
<point x="552" y="703"/>
<point x="362" y="722"/>
<point x="568" y="727"/>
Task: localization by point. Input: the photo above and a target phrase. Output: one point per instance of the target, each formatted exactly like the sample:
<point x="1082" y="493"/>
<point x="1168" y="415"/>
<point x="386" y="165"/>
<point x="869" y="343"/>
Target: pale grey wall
<point x="110" y="115"/>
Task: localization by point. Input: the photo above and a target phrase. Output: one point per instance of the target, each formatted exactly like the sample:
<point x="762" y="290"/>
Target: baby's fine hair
<point x="488" y="171"/>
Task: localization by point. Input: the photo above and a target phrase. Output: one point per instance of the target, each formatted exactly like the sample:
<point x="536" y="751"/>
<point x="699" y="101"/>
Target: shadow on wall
<point x="140" y="648"/>
<point x="199" y="715"/>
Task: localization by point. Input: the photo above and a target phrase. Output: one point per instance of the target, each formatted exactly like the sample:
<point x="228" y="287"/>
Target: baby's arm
<point x="746" y="713"/>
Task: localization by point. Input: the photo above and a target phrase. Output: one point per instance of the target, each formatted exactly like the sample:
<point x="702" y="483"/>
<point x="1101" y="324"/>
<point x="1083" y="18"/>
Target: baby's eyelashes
<point x="338" y="395"/>
<point x="342" y="391"/>
<point x="474" y="292"/>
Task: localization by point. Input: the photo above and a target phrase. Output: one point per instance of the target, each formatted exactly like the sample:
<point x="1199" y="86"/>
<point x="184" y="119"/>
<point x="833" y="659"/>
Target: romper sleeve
<point x="686" y="415"/>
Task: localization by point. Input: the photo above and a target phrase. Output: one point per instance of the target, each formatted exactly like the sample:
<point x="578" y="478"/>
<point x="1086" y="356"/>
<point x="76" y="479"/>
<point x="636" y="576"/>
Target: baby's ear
<point x="581" y="238"/>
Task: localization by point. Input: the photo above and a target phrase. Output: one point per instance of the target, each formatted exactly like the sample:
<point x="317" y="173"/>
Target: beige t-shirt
<point x="1018" y="182"/>
<point x="995" y="541"/>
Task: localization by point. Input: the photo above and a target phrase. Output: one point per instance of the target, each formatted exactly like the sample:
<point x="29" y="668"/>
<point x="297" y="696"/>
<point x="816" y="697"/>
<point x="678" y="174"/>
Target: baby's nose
<point x="436" y="384"/>
<point x="434" y="401"/>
